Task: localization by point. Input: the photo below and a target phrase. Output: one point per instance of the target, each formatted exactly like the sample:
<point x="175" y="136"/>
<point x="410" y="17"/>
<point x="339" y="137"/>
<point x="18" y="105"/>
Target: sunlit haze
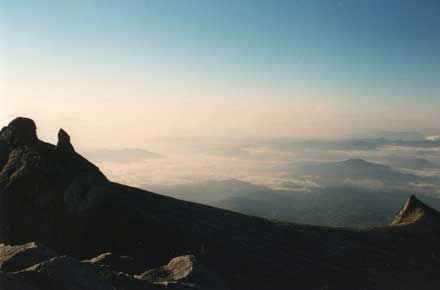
<point x="184" y="79"/>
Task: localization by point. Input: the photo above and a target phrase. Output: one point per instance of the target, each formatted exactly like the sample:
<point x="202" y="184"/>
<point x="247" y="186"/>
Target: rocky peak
<point x="42" y="187"/>
<point x="20" y="131"/>
<point x="416" y="212"/>
<point x="64" y="142"/>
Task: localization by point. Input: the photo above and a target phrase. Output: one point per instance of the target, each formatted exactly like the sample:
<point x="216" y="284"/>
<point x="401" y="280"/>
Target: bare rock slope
<point x="415" y="212"/>
<point x="54" y="197"/>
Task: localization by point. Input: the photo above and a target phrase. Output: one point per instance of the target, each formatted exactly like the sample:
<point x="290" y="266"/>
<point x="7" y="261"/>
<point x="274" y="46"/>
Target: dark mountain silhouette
<point x="56" y="198"/>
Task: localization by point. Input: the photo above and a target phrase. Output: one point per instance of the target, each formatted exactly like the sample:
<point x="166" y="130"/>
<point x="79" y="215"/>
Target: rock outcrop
<point x="20" y="131"/>
<point x="118" y="263"/>
<point x="63" y="273"/>
<point x="53" y="196"/>
<point x="38" y="184"/>
<point x="416" y="212"/>
<point x="14" y="258"/>
<point x="35" y="267"/>
<point x="185" y="271"/>
<point x="64" y="142"/>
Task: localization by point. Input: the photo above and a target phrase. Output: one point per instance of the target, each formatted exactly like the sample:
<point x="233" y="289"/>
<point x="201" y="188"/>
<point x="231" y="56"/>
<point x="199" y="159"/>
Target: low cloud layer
<point x="279" y="164"/>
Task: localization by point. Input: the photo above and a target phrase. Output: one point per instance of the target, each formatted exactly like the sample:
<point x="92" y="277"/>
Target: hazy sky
<point x="117" y="73"/>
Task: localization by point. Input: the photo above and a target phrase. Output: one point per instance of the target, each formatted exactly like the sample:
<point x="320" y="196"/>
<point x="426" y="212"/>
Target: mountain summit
<point x="54" y="197"/>
<point x="20" y="131"/>
<point x="416" y="212"/>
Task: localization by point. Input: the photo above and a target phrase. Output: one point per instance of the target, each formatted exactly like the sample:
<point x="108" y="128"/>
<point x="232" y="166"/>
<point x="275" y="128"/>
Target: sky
<point x="122" y="73"/>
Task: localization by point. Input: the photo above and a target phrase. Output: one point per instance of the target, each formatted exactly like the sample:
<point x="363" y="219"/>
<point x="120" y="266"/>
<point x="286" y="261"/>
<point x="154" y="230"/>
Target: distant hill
<point x="354" y="169"/>
<point x="361" y="173"/>
<point x="411" y="163"/>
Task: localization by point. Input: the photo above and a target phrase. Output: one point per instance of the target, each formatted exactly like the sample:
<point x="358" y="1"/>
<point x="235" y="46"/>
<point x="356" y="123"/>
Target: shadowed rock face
<point x="41" y="188"/>
<point x="54" y="196"/>
<point x="14" y="258"/>
<point x="63" y="273"/>
<point x="9" y="282"/>
<point x="64" y="142"/>
<point x="21" y="131"/>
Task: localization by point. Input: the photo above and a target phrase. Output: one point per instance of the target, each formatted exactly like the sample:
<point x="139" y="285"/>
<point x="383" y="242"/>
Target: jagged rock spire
<point x="416" y="212"/>
<point x="64" y="142"/>
<point x="20" y="131"/>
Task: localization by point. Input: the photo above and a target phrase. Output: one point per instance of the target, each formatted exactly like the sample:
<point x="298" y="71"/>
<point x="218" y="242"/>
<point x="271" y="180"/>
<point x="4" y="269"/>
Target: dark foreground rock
<point x="14" y="258"/>
<point x="53" y="196"/>
<point x="34" y="267"/>
<point x="124" y="264"/>
<point x="185" y="271"/>
<point x="63" y="273"/>
<point x="9" y="282"/>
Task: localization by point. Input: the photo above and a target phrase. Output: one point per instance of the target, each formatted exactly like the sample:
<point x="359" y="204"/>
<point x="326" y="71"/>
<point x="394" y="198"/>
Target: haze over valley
<point x="354" y="182"/>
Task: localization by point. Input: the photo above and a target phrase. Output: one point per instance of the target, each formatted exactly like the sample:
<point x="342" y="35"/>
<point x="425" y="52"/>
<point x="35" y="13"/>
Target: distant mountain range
<point x="353" y="169"/>
<point x="364" y="174"/>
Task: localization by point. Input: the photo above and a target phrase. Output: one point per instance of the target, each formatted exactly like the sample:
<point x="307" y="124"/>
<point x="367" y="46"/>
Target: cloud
<point x="410" y="149"/>
<point x="121" y="155"/>
<point x="433" y="138"/>
<point x="372" y="184"/>
<point x="296" y="185"/>
<point x="426" y="188"/>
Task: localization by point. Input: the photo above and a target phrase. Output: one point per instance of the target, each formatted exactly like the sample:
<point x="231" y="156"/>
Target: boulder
<point x="15" y="258"/>
<point x="64" y="273"/>
<point x="33" y="266"/>
<point x="185" y="272"/>
<point x="118" y="263"/>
